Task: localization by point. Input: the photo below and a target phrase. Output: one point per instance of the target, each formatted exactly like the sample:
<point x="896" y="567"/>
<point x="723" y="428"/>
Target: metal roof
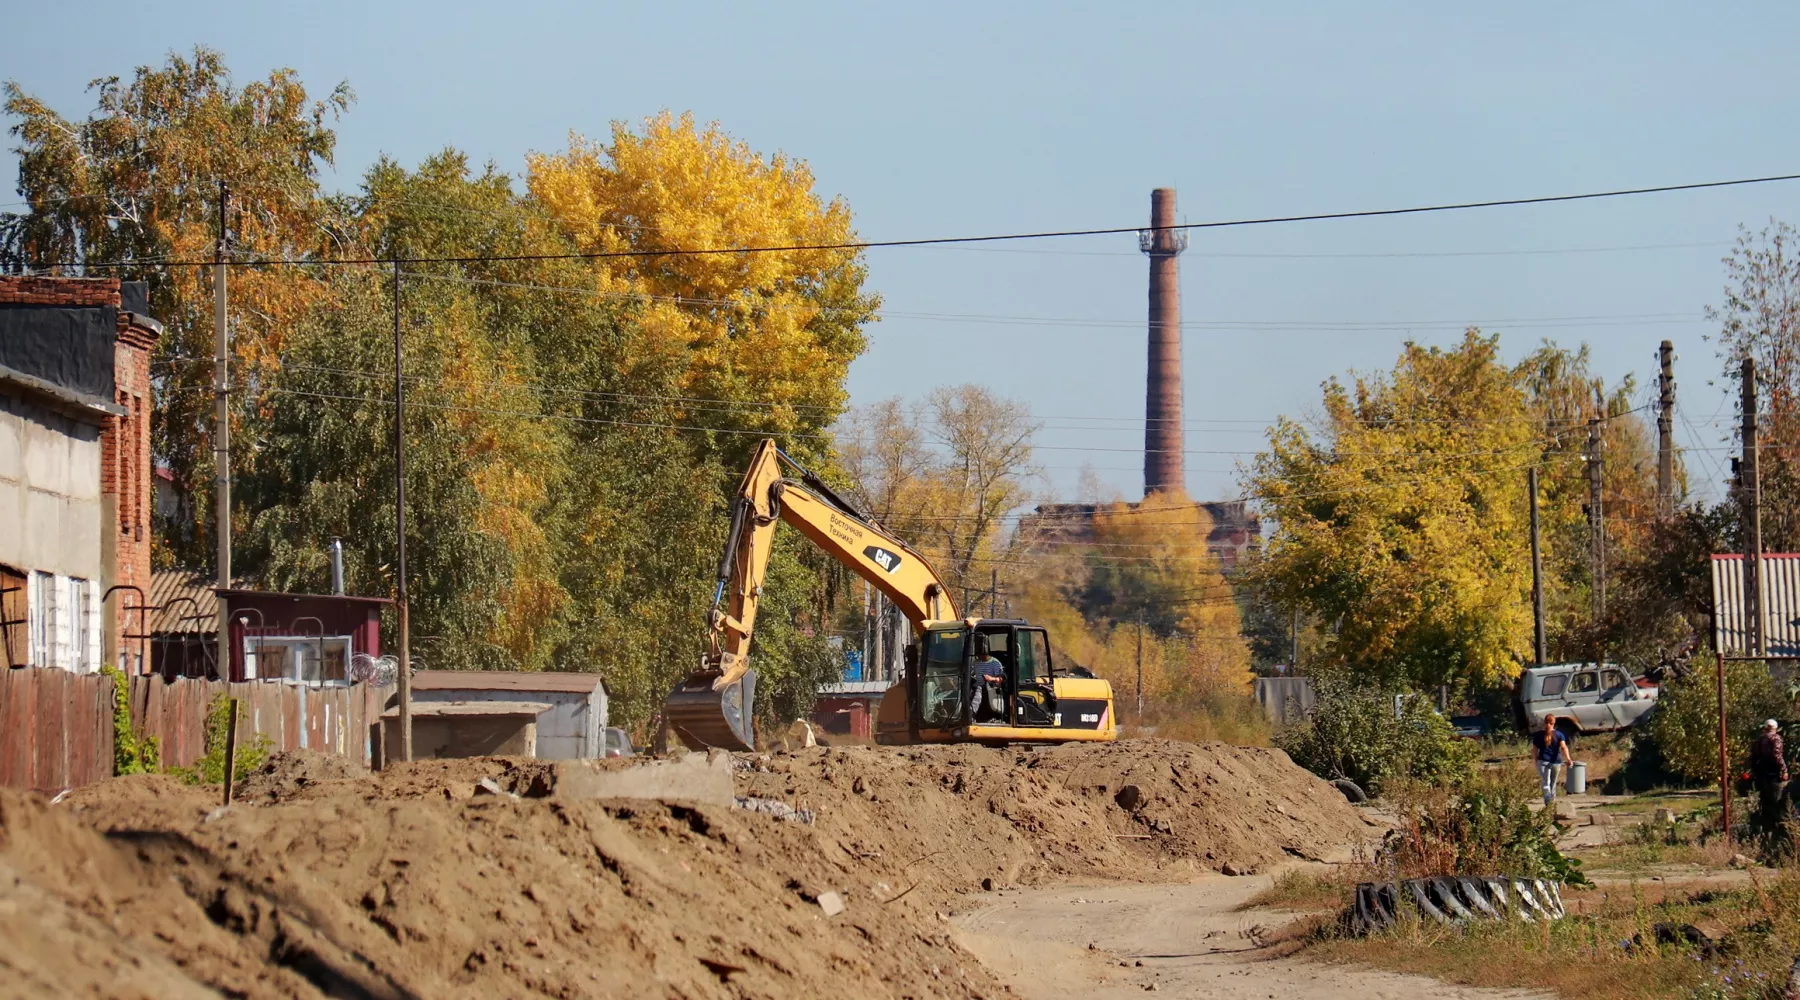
<point x="199" y="613"/>
<point x="856" y="687"/>
<point x="1780" y="587"/>
<point x="505" y="680"/>
<point x="473" y="708"/>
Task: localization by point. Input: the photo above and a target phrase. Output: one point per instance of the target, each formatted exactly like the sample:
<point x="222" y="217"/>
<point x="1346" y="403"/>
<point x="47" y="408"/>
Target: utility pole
<point x="405" y="672"/>
<point x="1665" y="432"/>
<point x="1750" y="495"/>
<point x="1537" y="570"/>
<point x="1294" y="641"/>
<point x="1596" y="517"/>
<point x="1140" y="670"/>
<point x="880" y="628"/>
<point x="994" y="593"/>
<point x="222" y="432"/>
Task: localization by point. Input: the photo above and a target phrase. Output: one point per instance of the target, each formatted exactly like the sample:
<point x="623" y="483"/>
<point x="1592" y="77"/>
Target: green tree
<point x="1400" y="523"/>
<point x="1686" y="723"/>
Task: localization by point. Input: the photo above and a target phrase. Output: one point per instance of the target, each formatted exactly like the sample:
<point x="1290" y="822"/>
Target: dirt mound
<point x="288" y="772"/>
<point x="408" y="884"/>
<point x="1141" y="809"/>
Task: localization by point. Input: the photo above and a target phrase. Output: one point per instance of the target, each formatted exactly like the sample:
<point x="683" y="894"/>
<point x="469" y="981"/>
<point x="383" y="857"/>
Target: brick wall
<point x="127" y="476"/>
<point x="60" y="291"/>
<point x="125" y="469"/>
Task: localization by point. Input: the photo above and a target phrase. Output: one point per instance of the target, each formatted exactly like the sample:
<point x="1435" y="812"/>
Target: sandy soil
<point x="408" y="883"/>
<point x="1108" y="942"/>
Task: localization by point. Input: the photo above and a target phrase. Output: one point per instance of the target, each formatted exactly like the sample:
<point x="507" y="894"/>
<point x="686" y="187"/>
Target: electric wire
<point x="860" y="245"/>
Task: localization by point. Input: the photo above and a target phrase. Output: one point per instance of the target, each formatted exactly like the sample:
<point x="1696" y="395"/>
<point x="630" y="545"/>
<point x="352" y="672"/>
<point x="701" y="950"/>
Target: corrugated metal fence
<point x="1780" y="591"/>
<point x="1285" y="700"/>
<point x="56" y="728"/>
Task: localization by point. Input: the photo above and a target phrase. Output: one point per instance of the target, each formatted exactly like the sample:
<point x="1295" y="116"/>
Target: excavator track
<point x="702" y="718"/>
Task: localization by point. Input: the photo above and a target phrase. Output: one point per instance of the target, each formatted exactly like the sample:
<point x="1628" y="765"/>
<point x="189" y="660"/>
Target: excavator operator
<point x="989" y="696"/>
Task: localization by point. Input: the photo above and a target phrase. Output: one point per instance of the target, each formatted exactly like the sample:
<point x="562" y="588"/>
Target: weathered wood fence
<point x="56" y="728"/>
<point x="333" y="719"/>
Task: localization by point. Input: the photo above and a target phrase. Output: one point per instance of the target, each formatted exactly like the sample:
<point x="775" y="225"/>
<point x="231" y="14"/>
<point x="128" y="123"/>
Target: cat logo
<point x="882" y="557"/>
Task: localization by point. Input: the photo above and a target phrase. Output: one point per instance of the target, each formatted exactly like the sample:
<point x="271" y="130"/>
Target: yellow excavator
<point x="967" y="680"/>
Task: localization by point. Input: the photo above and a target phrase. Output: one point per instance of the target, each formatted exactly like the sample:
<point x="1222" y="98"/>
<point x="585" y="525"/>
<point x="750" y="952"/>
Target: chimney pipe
<point x="1162" y="391"/>
<point x="337" y="566"/>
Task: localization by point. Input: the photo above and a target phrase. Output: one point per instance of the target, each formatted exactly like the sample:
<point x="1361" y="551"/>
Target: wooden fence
<point x="56" y="728"/>
<point x="332" y="719"/>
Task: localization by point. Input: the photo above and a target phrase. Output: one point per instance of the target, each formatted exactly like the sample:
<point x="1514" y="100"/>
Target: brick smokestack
<point x="1162" y="391"/>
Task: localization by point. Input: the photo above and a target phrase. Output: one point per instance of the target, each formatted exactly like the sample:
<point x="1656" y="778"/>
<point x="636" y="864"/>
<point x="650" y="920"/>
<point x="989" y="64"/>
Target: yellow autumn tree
<point x="772" y="327"/>
<point x="1401" y="520"/>
<point x="1135" y="596"/>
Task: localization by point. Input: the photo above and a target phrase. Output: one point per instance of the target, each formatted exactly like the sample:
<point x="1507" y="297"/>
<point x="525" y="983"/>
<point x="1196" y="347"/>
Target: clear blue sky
<point x="935" y="119"/>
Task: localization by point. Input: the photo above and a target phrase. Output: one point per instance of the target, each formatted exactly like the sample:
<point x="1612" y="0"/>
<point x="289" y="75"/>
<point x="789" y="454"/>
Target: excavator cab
<point x="950" y="699"/>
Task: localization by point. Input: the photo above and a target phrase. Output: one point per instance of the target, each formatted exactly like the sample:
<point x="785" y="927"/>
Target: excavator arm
<point x="713" y="707"/>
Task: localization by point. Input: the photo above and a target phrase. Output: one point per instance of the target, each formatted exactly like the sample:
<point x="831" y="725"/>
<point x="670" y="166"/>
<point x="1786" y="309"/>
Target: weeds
<point x="210" y="768"/>
<point x="133" y="753"/>
<point x="1484" y="827"/>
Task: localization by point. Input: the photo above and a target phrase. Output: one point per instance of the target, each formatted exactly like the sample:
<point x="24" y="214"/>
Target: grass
<point x="1651" y="845"/>
<point x="1303" y="889"/>
<point x="1607" y="945"/>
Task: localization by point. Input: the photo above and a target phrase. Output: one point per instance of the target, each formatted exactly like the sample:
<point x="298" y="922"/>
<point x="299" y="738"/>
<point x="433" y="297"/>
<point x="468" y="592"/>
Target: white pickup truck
<point x="1584" y="697"/>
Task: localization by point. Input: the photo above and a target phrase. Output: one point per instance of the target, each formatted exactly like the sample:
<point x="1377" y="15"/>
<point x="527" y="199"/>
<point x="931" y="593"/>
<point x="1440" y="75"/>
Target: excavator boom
<point x="713" y="707"/>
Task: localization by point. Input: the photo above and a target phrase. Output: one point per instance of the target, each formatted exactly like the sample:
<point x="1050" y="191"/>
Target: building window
<point x="82" y="654"/>
<point x="15" y="617"/>
<point x="297" y="659"/>
<point x="42" y="596"/>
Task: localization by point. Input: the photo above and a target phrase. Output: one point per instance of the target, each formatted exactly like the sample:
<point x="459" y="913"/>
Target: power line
<point x="1348" y="326"/>
<point x="860" y="245"/>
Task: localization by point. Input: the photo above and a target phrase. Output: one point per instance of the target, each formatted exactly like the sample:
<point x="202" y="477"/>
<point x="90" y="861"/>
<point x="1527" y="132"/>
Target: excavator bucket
<point x="701" y="717"/>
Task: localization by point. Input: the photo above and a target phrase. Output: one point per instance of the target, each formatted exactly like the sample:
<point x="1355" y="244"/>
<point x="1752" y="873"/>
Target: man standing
<point x="1552" y="752"/>
<point x="1768" y="769"/>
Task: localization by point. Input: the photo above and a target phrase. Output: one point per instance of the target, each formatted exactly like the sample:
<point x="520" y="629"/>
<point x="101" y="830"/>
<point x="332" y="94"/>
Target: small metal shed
<point x="571" y="727"/>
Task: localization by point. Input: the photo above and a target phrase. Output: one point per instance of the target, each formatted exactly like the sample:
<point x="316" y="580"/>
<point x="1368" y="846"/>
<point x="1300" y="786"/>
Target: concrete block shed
<point x="572" y="725"/>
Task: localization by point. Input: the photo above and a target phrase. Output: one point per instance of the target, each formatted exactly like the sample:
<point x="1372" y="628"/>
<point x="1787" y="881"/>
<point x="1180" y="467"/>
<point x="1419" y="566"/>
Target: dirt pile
<point x="1143" y="809"/>
<point x="411" y="883"/>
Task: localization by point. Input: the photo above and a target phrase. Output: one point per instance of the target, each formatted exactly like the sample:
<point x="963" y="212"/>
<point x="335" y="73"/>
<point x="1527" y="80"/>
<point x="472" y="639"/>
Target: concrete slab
<point x="694" y="777"/>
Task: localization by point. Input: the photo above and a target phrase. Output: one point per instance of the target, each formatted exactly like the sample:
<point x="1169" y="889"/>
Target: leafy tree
<point x="1355" y="733"/>
<point x="136" y="182"/>
<point x="777" y="328"/>
<point x="1760" y="319"/>
<point x="1402" y="525"/>
<point x="1686" y="723"/>
<point x="1401" y="520"/>
<point x="945" y="476"/>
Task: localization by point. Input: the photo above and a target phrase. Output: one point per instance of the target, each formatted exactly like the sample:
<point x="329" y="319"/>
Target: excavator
<point x="967" y="680"/>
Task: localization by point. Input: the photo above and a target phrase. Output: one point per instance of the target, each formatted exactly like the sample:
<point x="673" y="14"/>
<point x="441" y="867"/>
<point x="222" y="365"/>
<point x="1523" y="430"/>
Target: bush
<point x="1484" y="827"/>
<point x="210" y="768"/>
<point x="1353" y="733"/>
<point x="1685" y="725"/>
<point x="132" y="753"/>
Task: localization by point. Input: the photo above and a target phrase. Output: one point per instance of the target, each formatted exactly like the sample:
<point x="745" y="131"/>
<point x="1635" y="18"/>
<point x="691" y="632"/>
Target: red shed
<point x="309" y="638"/>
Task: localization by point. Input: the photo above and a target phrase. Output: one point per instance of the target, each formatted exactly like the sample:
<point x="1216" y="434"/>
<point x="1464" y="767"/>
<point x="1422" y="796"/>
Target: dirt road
<point x="1189" y="940"/>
